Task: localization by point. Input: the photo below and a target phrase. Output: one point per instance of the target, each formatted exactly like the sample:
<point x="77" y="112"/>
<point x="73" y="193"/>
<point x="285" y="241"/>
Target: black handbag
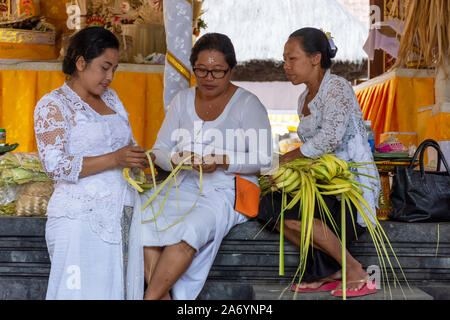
<point x="419" y="195"/>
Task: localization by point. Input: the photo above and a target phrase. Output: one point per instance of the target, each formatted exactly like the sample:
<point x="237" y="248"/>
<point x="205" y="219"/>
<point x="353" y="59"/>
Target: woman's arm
<point x="51" y="131"/>
<point x="128" y="156"/>
<point x="290" y="156"/>
<point x="258" y="140"/>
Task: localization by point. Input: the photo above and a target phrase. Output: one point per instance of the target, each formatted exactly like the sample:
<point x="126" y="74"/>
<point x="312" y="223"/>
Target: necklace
<point x="210" y="109"/>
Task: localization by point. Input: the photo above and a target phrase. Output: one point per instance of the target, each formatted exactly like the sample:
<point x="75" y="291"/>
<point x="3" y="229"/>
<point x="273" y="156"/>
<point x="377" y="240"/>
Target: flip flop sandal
<point x="327" y="286"/>
<point x="365" y="290"/>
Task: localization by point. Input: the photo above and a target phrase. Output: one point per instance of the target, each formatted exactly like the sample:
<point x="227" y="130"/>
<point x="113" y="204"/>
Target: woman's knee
<point x="292" y="224"/>
<point x="296" y="224"/>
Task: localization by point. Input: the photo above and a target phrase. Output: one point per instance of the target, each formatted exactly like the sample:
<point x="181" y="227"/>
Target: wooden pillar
<point x="376" y="66"/>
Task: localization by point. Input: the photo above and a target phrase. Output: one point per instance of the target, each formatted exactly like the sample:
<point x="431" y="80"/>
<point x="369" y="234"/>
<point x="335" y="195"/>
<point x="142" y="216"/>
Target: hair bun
<point x="333" y="48"/>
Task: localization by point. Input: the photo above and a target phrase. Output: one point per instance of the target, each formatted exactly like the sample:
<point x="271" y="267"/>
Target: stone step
<point x="275" y="292"/>
<point x="217" y="290"/>
<point x="248" y="256"/>
<point x="251" y="254"/>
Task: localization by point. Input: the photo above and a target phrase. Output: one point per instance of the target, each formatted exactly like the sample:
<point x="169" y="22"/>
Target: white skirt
<point x="203" y="228"/>
<point x="83" y="266"/>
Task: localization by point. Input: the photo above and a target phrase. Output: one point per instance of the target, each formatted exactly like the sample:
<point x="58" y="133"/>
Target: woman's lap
<point x="180" y="220"/>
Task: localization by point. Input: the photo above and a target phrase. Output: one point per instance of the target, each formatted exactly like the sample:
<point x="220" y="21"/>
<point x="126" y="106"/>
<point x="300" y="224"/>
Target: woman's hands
<point x="212" y="162"/>
<point x="179" y="157"/>
<point x="291" y="155"/>
<point x="126" y="157"/>
<point x="208" y="163"/>
<point x="132" y="157"/>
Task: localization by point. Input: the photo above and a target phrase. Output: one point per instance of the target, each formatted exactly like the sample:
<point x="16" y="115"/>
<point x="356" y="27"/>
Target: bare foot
<point x="316" y="284"/>
<point x="356" y="278"/>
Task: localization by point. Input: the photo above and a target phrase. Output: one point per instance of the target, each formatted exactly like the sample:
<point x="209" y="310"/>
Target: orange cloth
<point x="142" y="96"/>
<point x="247" y="197"/>
<point x="20" y="90"/>
<point x="438" y="127"/>
<point x="55" y="13"/>
<point x="27" y="51"/>
<point x="392" y="106"/>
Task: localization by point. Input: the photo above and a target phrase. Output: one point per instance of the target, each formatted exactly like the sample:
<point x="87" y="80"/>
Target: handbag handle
<point x="421" y="149"/>
<point x="420" y="153"/>
<point x="440" y="158"/>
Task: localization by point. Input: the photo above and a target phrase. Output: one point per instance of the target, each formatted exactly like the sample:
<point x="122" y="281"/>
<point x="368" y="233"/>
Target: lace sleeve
<point x="335" y="116"/>
<point x="51" y="130"/>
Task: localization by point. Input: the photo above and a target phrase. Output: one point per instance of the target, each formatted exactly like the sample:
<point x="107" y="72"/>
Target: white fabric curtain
<point x="178" y="25"/>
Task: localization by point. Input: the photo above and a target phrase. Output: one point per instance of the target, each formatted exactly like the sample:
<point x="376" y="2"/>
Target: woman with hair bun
<point x="84" y="140"/>
<point x="331" y="121"/>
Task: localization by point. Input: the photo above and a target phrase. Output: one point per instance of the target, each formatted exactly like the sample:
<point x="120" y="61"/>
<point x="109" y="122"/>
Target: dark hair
<point x="88" y="43"/>
<point x="313" y="41"/>
<point x="215" y="41"/>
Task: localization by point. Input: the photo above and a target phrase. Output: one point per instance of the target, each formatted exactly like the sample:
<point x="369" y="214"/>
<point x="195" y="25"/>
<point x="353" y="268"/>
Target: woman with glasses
<point x="222" y="130"/>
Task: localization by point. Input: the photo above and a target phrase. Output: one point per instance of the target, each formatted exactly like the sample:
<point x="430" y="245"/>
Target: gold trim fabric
<point x="179" y="66"/>
<point x="27" y="36"/>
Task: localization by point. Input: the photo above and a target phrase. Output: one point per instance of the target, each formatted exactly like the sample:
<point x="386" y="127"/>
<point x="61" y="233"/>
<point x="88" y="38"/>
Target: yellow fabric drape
<point x="392" y="106"/>
<point x="20" y="90"/>
<point x="439" y="127"/>
<point x="142" y="96"/>
<point x="27" y="51"/>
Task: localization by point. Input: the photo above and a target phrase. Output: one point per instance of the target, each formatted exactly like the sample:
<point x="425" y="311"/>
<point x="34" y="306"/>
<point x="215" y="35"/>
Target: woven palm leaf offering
<point x="141" y="184"/>
<point x="306" y="180"/>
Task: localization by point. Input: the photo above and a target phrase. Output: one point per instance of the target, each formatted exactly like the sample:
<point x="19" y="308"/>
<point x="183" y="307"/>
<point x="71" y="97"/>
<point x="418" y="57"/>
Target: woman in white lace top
<point x="84" y="140"/>
<point x="331" y="121"/>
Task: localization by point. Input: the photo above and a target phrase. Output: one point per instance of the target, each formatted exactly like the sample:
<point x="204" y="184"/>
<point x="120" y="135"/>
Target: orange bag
<point x="247" y="197"/>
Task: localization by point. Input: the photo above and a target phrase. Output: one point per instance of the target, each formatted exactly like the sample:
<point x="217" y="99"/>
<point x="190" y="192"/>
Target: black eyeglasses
<point x="216" y="74"/>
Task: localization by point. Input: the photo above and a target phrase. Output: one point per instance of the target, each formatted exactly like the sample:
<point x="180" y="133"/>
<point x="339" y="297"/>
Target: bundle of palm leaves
<point x="140" y="184"/>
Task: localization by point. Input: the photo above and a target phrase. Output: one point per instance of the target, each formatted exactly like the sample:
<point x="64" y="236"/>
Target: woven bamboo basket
<point x="32" y="199"/>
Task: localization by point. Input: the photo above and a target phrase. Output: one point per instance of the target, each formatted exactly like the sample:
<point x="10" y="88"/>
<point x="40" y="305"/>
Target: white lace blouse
<point x="68" y="129"/>
<point x="336" y="125"/>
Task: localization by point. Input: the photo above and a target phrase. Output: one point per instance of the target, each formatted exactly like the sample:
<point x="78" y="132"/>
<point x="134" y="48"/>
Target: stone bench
<point x="243" y="261"/>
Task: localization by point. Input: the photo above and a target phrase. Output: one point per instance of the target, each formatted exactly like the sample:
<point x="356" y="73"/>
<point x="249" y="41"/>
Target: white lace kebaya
<point x="68" y="129"/>
<point x="336" y="125"/>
